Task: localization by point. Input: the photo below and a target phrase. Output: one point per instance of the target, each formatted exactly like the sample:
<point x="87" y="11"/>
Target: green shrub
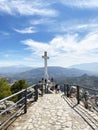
<point x="4" y="88"/>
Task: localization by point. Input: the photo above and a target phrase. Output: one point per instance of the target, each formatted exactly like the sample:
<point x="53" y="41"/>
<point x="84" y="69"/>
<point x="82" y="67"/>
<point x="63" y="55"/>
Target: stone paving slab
<point x="91" y="117"/>
<point x="50" y="112"/>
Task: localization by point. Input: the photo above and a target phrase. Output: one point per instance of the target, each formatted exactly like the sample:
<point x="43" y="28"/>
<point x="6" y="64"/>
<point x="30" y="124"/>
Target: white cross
<point x="45" y="57"/>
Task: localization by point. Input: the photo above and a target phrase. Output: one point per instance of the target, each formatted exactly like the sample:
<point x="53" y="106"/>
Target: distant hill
<point x="58" y="73"/>
<point x="84" y="81"/>
<point x="34" y="75"/>
<point x="66" y="72"/>
<point x="13" y="69"/>
<point x="93" y="67"/>
<point x="61" y="75"/>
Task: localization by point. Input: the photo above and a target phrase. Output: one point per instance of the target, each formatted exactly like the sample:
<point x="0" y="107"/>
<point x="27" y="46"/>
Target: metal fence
<point x="12" y="109"/>
<point x="88" y="96"/>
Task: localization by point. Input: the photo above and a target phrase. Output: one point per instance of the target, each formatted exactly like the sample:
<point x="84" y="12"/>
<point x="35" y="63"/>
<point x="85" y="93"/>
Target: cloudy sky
<point x="66" y="29"/>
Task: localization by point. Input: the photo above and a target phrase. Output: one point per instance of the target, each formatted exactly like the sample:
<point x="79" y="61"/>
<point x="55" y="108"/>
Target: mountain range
<point x="92" y="67"/>
<point x="35" y="74"/>
<point x="58" y="73"/>
<point x="54" y="71"/>
<point x="71" y="75"/>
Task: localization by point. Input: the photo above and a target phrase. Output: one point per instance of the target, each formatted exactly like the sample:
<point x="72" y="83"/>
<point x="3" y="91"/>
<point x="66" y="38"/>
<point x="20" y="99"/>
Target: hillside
<point x="61" y="75"/>
<point x="58" y="73"/>
<point x="84" y="80"/>
<point x="93" y="67"/>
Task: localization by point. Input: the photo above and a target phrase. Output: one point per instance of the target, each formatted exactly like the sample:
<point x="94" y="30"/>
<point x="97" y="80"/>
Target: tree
<point x="4" y="88"/>
<point x="18" y="86"/>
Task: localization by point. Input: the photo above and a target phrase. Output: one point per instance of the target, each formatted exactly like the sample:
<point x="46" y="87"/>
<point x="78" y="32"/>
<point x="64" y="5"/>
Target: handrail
<point x="96" y="90"/>
<point x="12" y="95"/>
<point x="11" y="106"/>
<point x="21" y="104"/>
<point x="88" y="96"/>
<point x="11" y="117"/>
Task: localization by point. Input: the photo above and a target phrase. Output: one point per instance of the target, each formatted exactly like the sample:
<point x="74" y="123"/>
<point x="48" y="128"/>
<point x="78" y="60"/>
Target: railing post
<point x="36" y="93"/>
<point x="64" y="90"/>
<point x="86" y="95"/>
<point x="47" y="89"/>
<point x="45" y="86"/>
<point x="42" y="89"/>
<point x="68" y="88"/>
<point x="25" y="103"/>
<point x="78" y="95"/>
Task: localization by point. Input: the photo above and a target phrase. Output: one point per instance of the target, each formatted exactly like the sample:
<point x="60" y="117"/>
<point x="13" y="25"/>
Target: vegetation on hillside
<point x="4" y="88"/>
<point x="84" y="81"/>
<point x="18" y="85"/>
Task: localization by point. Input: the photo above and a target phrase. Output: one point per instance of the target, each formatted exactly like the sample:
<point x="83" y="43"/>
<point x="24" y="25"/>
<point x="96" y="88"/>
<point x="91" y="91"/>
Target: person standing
<point x="57" y="88"/>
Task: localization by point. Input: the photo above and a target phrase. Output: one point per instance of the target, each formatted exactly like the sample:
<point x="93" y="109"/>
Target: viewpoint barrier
<point x="88" y="96"/>
<point x="10" y="110"/>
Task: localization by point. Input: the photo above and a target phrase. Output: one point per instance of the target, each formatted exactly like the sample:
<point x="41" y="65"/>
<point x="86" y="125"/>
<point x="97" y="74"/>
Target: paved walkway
<point x="51" y="112"/>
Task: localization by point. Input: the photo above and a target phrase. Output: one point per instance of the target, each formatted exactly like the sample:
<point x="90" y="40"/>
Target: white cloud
<point x="26" y="30"/>
<point x="42" y="21"/>
<point x="24" y="7"/>
<point x="75" y="25"/>
<point x="80" y="3"/>
<point x="66" y="50"/>
<point x="36" y="47"/>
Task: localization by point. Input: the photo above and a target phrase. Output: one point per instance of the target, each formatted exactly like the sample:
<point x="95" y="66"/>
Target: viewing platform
<point x="56" y="112"/>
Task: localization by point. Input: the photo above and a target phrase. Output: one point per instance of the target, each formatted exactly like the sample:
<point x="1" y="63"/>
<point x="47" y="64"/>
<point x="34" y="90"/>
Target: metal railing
<point x="88" y="96"/>
<point x="24" y="97"/>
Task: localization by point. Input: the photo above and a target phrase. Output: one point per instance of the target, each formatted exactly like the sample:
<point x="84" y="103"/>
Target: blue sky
<point x="66" y="29"/>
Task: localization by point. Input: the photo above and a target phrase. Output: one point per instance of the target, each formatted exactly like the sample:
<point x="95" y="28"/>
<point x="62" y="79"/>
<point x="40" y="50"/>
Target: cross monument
<point x="45" y="57"/>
